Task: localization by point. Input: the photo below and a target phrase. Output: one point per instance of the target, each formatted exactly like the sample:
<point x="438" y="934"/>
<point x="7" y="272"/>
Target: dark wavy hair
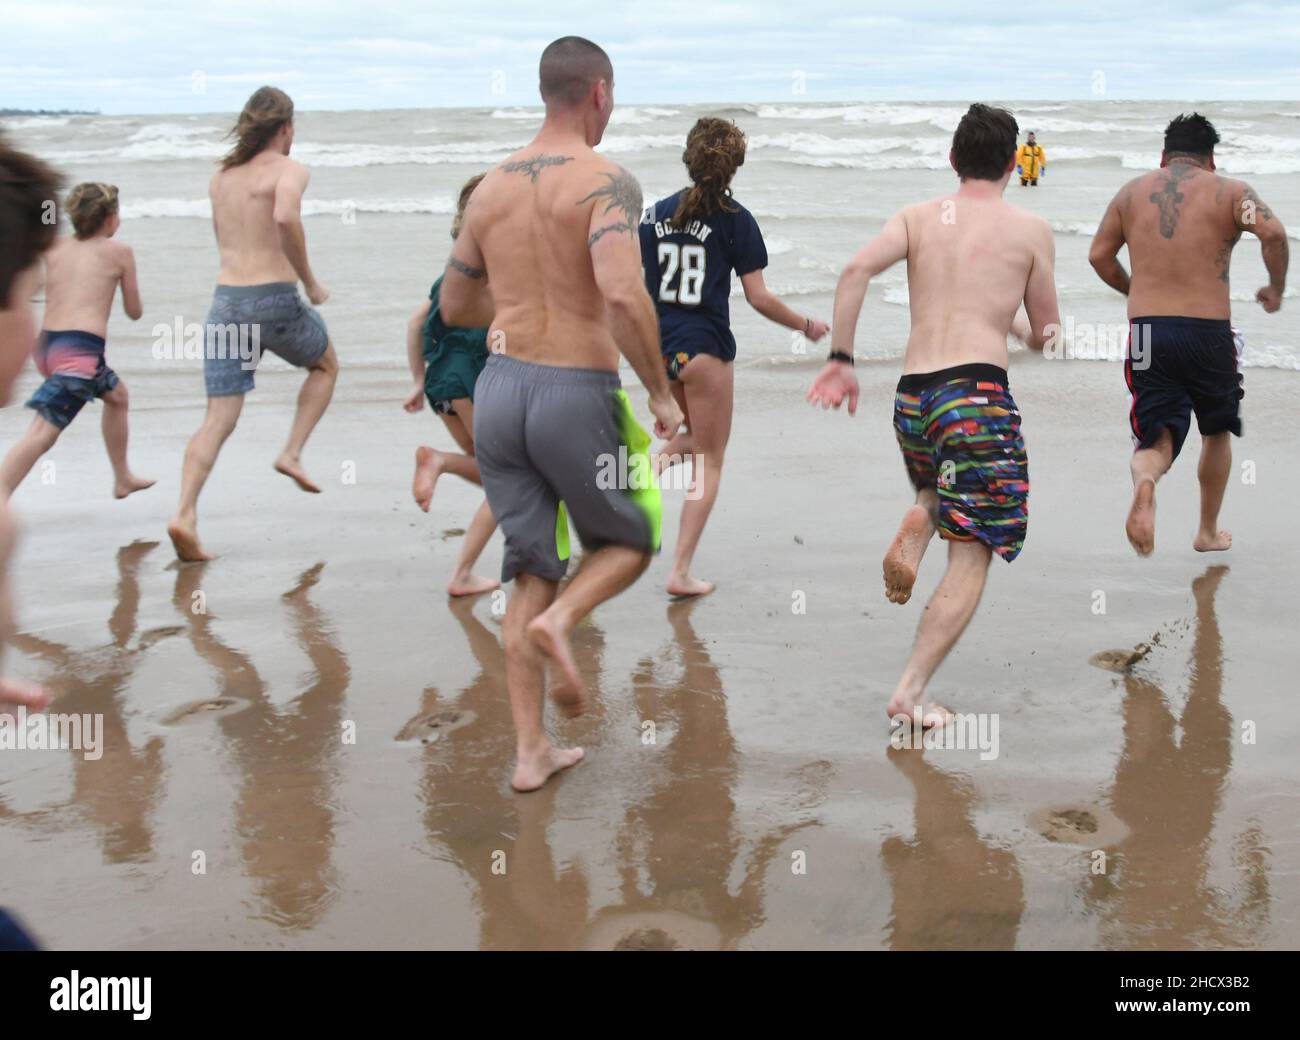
<point x="715" y="150"/>
<point x="264" y="113"/>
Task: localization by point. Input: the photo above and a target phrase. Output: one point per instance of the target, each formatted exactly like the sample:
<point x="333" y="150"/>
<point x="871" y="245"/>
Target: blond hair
<point x="264" y="114"/>
<point x="466" y="190"/>
<point x="89" y="206"/>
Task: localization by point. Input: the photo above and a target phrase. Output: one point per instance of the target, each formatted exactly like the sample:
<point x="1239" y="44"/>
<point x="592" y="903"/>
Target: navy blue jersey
<point x="688" y="274"/>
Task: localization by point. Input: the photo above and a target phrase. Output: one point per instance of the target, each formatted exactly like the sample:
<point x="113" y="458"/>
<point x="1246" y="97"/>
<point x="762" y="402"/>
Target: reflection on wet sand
<point x="497" y="837"/>
<point x="952" y="889"/>
<point x="118" y="793"/>
<point x="288" y="759"/>
<point x="1157" y="892"/>
<point x="678" y="847"/>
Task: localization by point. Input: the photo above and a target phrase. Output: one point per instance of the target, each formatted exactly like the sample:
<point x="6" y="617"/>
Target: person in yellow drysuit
<point x="1031" y="161"/>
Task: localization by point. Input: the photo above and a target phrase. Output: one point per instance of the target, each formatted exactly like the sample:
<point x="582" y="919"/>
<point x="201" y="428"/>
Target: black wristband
<point x="839" y="355"/>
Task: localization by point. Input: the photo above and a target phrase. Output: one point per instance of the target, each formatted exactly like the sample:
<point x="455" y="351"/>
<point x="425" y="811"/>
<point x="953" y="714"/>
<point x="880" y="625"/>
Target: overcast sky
<point x="133" y="56"/>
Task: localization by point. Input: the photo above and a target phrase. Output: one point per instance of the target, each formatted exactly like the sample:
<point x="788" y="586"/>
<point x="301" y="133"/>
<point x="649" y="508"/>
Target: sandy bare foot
<point x="904" y="554"/>
<point x="532" y="773"/>
<point x="185" y="538"/>
<point x="128" y="487"/>
<point x="927" y="715"/>
<point x="1212" y="543"/>
<point x="292" y="469"/>
<point x="17" y="693"/>
<point x="567" y="688"/>
<point x="1141" y="526"/>
<point x="472" y="585"/>
<point x="428" y="468"/>
<point x="688" y="587"/>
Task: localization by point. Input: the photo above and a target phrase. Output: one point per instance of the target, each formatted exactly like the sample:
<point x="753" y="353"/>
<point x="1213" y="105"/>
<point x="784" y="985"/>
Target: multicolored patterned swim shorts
<point x="959" y="431"/>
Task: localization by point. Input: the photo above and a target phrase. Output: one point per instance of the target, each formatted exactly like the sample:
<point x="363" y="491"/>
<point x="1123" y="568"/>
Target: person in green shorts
<point x="445" y="362"/>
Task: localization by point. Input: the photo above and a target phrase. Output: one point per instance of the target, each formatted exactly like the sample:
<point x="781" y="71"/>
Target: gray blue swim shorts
<point x="557" y="446"/>
<point x="246" y="320"/>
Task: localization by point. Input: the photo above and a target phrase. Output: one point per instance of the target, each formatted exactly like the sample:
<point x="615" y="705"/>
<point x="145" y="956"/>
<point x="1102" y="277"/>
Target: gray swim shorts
<point x="557" y="446"/>
<point x="246" y="320"/>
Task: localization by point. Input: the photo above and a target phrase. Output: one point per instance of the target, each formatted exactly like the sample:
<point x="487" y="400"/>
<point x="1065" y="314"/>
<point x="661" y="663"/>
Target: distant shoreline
<point x="48" y="112"/>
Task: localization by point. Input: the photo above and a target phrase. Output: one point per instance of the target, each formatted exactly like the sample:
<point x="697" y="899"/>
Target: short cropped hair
<point x="569" y="68"/>
<point x="1190" y="135"/>
<point x="984" y="143"/>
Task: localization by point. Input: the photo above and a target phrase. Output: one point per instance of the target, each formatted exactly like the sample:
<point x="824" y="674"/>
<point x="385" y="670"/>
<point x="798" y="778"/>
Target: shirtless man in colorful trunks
<point x="257" y="215"/>
<point x="1180" y="223"/>
<point x="549" y="256"/>
<point x="972" y="259"/>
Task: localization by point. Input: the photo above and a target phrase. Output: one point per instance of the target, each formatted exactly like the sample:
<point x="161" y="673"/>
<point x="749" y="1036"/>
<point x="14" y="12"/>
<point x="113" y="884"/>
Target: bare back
<point x="531" y="220"/>
<point x="81" y="279"/>
<point x="244" y="218"/>
<point x="969" y="265"/>
<point x="1180" y="226"/>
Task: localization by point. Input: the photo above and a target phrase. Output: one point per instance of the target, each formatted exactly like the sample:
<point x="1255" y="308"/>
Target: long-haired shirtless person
<point x="257" y="215"/>
<point x="1180" y="223"/>
<point x="972" y="258"/>
<point x="549" y="257"/>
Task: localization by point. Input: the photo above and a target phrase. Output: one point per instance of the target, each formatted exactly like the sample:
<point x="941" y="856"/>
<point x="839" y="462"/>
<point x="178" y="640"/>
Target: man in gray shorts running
<point x="256" y="212"/>
<point x="549" y="256"/>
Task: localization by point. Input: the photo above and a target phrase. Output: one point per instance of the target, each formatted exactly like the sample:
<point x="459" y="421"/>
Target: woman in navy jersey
<point x="690" y="244"/>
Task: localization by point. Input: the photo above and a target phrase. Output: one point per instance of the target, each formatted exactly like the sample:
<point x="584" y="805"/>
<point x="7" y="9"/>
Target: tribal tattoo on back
<point x="622" y="195"/>
<point x="535" y="165"/>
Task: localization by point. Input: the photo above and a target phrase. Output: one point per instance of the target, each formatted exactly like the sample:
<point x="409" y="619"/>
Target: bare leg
<point x="536" y="759"/>
<point x="38" y="439"/>
<point x="1148" y="466"/>
<point x="1216" y="464"/>
<point x="946" y="617"/>
<point x="200" y="456"/>
<point x="13" y="692"/>
<point x="463" y="583"/>
<point x="603" y="575"/>
<point x="682" y="443"/>
<point x="903" y="560"/>
<point x="114" y="426"/>
<point x="430" y="464"/>
<point x="313" y="399"/>
<point x="709" y="391"/>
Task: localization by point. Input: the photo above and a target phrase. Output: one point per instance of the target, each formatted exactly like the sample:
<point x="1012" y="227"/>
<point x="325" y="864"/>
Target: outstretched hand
<point x="835" y="383"/>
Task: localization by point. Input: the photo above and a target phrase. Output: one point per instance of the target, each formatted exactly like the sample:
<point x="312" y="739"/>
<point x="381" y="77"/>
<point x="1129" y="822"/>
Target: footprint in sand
<point x="147" y="639"/>
<point x="647" y="939"/>
<point x="1120" y="660"/>
<point x="651" y="930"/>
<point x="1081" y="824"/>
<point x="428" y="729"/>
<point x="218" y="706"/>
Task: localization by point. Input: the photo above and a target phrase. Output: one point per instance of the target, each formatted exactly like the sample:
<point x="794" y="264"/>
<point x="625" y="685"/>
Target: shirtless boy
<point x="1180" y="223"/>
<point x="82" y="275"/>
<point x="549" y="256"/>
<point x="257" y="216"/>
<point x="972" y="259"/>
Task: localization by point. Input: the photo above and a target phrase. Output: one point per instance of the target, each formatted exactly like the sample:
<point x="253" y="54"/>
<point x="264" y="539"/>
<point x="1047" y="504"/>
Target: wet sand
<point x="226" y="729"/>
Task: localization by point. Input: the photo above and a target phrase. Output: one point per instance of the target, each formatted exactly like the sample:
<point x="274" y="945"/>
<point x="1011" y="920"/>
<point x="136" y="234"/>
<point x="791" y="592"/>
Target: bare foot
<point x="185" y="538"/>
<point x="17" y="693"/>
<point x="1212" y="542"/>
<point x="131" y="485"/>
<point x="567" y="688"/>
<point x="688" y="586"/>
<point x="1141" y="526"/>
<point x="531" y="773"/>
<point x="927" y="716"/>
<point x="292" y="468"/>
<point x="905" y="554"/>
<point x="471" y="585"/>
<point x="428" y="468"/>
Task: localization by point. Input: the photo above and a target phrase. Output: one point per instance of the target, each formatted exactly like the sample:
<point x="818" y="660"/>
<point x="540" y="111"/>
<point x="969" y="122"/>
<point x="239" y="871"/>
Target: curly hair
<point x="467" y="189"/>
<point x="715" y="149"/>
<point x="28" y="213"/>
<point x="89" y="206"/>
<point x="264" y="113"/>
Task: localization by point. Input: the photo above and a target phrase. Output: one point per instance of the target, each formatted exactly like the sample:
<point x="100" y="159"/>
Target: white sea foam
<point x="160" y="208"/>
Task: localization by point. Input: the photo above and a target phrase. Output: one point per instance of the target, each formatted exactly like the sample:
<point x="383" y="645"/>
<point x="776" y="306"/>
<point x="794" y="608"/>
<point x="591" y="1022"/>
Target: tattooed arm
<point x="1253" y="215"/>
<point x="616" y="263"/>
<point x="1104" y="254"/>
<point x="465" y="299"/>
